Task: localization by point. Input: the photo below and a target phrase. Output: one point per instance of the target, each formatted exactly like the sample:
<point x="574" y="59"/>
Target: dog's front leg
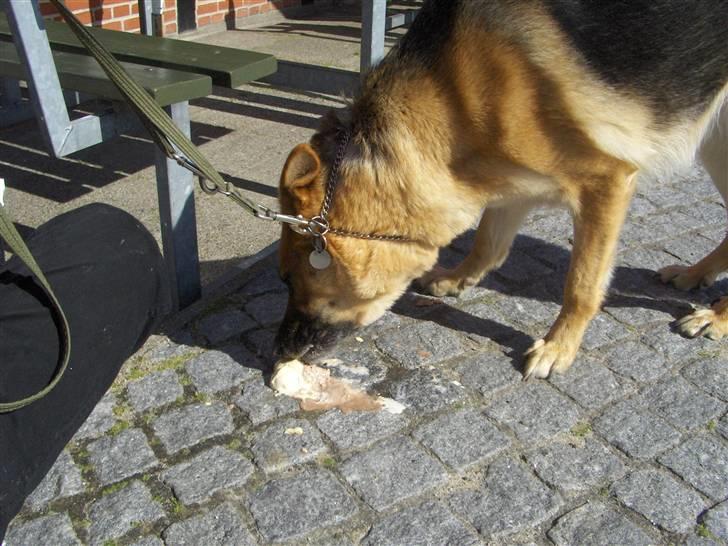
<point x="496" y="231"/>
<point x="598" y="217"/>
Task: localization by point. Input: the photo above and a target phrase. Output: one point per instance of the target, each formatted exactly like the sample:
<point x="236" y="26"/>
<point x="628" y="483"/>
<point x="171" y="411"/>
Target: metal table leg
<point x="175" y="188"/>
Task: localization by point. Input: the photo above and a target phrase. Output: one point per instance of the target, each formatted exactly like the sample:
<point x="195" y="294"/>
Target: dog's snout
<point x="299" y="332"/>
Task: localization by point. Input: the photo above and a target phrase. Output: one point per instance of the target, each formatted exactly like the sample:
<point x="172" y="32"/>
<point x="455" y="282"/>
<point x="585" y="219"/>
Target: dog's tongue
<point x="317" y="390"/>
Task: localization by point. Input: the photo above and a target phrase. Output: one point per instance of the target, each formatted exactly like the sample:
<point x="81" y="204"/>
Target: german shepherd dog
<point x="496" y="107"/>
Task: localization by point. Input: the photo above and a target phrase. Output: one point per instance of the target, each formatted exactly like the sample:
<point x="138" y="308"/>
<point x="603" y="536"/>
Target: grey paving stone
<point x="640" y="206"/>
<point x="643" y="257"/>
<point x="710" y="375"/>
<point x="215" y="371"/>
<point x="696" y="540"/>
<point x="462" y="439"/>
<point x="63" y="480"/>
<point x="154" y="390"/>
<point x="359" y="363"/>
<point x="671" y="344"/>
<point x="55" y="529"/>
<point x="275" y="449"/>
<point x="359" y="429"/>
<point x="262" y="343"/>
<point x="221" y="526"/>
<point x="602" y="330"/>
<point x="595" y="524"/>
<point x="268" y="309"/>
<point x="716" y="520"/>
<point x="701" y="461"/>
<point x="197" y="479"/>
<point x="262" y="404"/>
<point x="149" y="541"/>
<point x="426" y="391"/>
<point x="166" y="349"/>
<point x="115" y="458"/>
<point x="689" y="249"/>
<point x="423" y="343"/>
<point x="523" y="311"/>
<point x="576" y="466"/>
<point x="637" y="361"/>
<point x="488" y="372"/>
<point x="638" y="311"/>
<point x="535" y="411"/>
<point x="290" y="508"/>
<point x="636" y="432"/>
<point x="554" y="227"/>
<point x="190" y="425"/>
<point x="430" y="524"/>
<point x="265" y="280"/>
<point x="115" y="514"/>
<point x="391" y="472"/>
<point x="100" y="420"/>
<point x="682" y="404"/>
<point x="590" y="383"/>
<point x="722" y="427"/>
<point x="661" y="499"/>
<point x="224" y="325"/>
<point x="520" y="268"/>
<point x="510" y="500"/>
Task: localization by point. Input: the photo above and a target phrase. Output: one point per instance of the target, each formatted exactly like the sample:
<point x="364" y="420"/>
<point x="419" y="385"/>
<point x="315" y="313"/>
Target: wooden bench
<point x="173" y="71"/>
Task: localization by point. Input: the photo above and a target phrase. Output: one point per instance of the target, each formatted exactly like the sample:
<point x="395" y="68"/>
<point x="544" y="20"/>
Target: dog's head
<point x="365" y="277"/>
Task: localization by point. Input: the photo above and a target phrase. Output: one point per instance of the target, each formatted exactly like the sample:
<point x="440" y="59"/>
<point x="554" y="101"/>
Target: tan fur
<point x="505" y="122"/>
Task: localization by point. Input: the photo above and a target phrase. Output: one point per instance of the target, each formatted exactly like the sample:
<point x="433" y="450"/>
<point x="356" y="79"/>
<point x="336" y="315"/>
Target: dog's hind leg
<point x="603" y="203"/>
<point x="493" y="239"/>
<point x="714" y="156"/>
<point x="711" y="323"/>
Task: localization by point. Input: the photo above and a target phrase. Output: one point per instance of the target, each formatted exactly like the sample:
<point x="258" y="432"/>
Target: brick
<point x="462" y="439"/>
<point x="392" y="472"/>
<point x="197" y="479"/>
<point x="534" y="412"/>
<point x="509" y="501"/>
<point x="291" y="508"/>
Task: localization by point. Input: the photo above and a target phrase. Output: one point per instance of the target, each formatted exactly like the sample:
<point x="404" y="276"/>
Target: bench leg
<point x="373" y="22"/>
<point x="175" y="187"/>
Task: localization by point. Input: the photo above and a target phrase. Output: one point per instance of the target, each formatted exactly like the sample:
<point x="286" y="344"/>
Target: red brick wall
<point x="124" y="14"/>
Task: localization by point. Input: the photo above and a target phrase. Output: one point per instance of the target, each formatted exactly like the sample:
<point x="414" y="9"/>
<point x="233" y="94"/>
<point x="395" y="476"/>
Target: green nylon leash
<point x="17" y="246"/>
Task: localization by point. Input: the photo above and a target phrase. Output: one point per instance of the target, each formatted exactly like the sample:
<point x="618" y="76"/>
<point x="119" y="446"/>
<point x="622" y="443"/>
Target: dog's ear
<point x="301" y="169"/>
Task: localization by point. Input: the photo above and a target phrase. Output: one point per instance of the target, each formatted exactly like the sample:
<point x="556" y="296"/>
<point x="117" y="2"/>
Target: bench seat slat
<point x="82" y="73"/>
<point x="228" y="67"/>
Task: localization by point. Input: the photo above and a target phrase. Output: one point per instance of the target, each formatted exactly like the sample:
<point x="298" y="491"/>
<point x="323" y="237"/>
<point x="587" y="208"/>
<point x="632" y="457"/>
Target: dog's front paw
<point x="546" y="356"/>
<point x="441" y="282"/>
<point x="705" y="322"/>
<point x="684" y="278"/>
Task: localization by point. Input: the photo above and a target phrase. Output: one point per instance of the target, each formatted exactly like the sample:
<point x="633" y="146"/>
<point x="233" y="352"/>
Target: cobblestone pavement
<point x="629" y="447"/>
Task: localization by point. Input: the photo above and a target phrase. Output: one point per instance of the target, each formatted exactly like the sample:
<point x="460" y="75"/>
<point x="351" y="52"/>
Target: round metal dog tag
<point x="320" y="259"/>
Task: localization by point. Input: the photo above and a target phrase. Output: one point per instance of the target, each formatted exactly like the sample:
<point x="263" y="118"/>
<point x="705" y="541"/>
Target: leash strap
<point x="18" y="247"/>
<point x="175" y="144"/>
